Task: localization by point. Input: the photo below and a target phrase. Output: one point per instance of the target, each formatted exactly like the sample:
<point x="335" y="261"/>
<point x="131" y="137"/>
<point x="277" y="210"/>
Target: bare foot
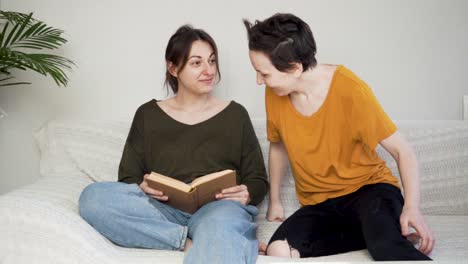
<point x="262" y="247"/>
<point x="188" y="244"/>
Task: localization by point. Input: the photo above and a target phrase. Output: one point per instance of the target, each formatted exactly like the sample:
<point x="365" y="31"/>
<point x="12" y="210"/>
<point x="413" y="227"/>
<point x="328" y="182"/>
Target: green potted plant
<point x="20" y="36"/>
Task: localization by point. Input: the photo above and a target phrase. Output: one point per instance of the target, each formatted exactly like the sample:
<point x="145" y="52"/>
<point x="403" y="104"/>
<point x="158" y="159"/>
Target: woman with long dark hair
<point x="186" y="136"/>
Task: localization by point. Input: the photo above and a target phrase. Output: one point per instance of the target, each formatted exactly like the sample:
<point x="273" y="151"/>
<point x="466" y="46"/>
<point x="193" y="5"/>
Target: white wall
<point x="413" y="53"/>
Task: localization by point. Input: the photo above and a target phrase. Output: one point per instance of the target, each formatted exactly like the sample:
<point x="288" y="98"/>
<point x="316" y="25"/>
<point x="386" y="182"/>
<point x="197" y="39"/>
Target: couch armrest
<point x="40" y="223"/>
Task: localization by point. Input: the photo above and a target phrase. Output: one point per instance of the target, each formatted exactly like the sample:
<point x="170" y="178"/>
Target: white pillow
<point x="54" y="160"/>
<point x="93" y="147"/>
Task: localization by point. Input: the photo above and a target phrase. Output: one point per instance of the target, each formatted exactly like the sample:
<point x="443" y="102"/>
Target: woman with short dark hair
<point x="327" y="122"/>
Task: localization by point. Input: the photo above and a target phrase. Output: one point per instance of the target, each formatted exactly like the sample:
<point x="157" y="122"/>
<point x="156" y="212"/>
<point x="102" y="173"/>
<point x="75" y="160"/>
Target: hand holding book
<point x="190" y="197"/>
<point x="238" y="193"/>
<point x="156" y="194"/>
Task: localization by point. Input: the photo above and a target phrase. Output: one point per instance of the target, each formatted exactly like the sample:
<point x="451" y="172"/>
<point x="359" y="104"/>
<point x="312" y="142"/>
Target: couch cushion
<point x="92" y="147"/>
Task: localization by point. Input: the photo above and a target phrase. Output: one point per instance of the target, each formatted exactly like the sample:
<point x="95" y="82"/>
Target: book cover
<point x="190" y="197"/>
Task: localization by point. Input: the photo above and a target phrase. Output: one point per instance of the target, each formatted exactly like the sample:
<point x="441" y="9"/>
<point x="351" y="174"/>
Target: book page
<point x="159" y="178"/>
<point x="209" y="177"/>
<point x="207" y="188"/>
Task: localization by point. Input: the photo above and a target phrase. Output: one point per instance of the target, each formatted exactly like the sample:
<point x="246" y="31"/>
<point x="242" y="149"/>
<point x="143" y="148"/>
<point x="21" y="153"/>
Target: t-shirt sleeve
<point x="370" y="121"/>
<point x="132" y="165"/>
<point x="272" y="113"/>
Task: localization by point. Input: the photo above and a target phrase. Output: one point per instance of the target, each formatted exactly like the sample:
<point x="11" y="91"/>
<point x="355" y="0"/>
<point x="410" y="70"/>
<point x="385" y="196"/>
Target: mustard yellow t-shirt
<point x="332" y="152"/>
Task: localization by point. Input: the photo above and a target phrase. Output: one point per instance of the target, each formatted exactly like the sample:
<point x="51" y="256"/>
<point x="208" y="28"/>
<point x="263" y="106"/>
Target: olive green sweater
<point x="156" y="142"/>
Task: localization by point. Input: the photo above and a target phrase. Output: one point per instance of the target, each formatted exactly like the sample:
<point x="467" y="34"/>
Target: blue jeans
<point x="221" y="231"/>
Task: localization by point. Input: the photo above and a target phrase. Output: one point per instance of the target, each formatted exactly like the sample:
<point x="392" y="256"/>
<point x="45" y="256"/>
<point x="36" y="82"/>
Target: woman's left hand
<point x="413" y="217"/>
<point x="238" y="193"/>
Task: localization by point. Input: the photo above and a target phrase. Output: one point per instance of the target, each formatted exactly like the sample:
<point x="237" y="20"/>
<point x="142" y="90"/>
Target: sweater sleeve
<point x="132" y="165"/>
<point x="252" y="169"/>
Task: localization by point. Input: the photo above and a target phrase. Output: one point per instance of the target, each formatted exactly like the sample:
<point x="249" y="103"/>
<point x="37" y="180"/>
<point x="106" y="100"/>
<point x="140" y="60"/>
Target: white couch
<point x="40" y="223"/>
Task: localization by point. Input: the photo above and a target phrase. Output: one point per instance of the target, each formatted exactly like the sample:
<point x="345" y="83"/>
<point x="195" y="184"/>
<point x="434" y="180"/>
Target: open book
<point x="190" y="197"/>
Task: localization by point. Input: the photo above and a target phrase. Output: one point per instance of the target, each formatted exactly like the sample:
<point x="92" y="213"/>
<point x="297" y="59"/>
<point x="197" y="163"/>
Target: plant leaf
<point x="14" y="17"/>
<point x="21" y="29"/>
<point x="17" y="83"/>
<point x="7" y="78"/>
<point x="47" y="64"/>
<point x="28" y="33"/>
<point x="10" y="35"/>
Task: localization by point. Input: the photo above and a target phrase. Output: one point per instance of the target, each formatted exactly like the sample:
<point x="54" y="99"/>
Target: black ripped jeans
<point x="368" y="218"/>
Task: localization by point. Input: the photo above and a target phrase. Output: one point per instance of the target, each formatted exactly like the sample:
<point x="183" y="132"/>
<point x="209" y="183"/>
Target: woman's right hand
<point x="275" y="212"/>
<point x="156" y="194"/>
